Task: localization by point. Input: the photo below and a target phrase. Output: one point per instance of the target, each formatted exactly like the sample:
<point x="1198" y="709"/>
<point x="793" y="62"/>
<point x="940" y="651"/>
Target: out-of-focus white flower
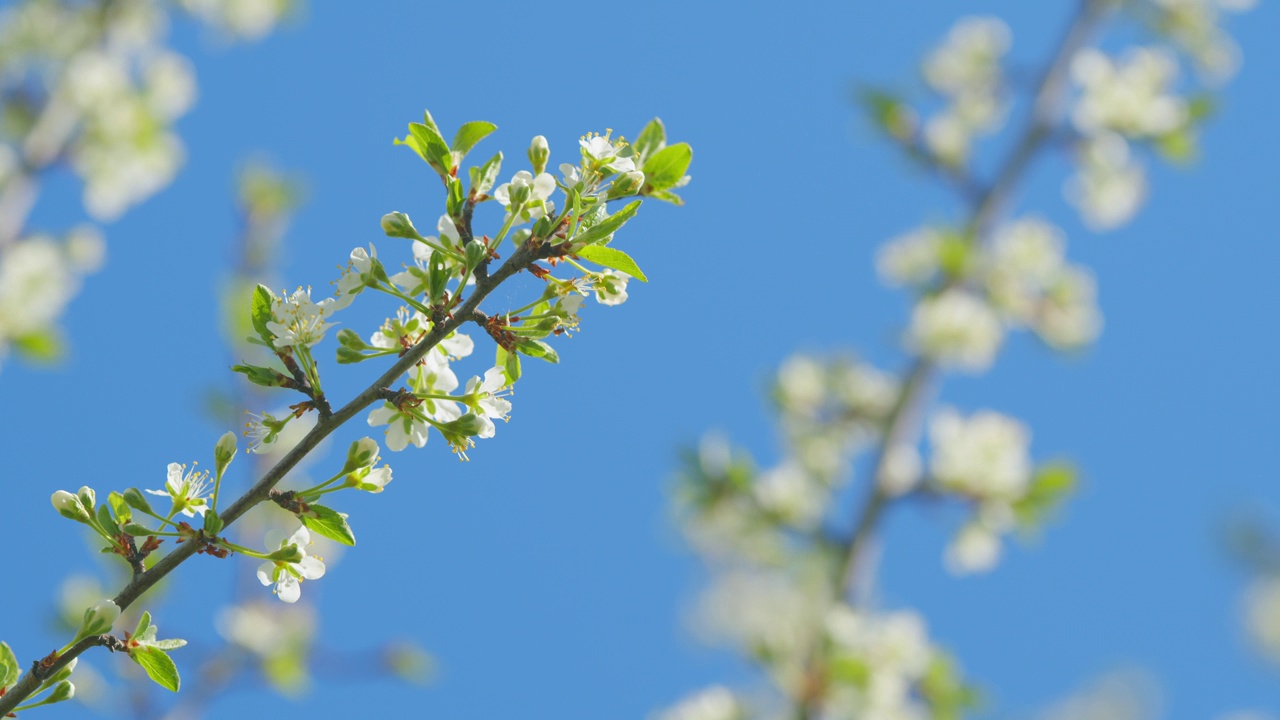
<point x="956" y="329"/>
<point x="975" y="549"/>
<point x="801" y="383"/>
<point x="265" y="629"/>
<point x="35" y="285"/>
<point x="1262" y="615"/>
<point x="866" y="390"/>
<point x="893" y="648"/>
<point x="170" y="84"/>
<point x="788" y="492"/>
<point x="1195" y="26"/>
<point x="713" y="703"/>
<point x="947" y="136"/>
<point x="1109" y="186"/>
<point x="1024" y="258"/>
<point x="1130" y="97"/>
<point x="1069" y="316"/>
<point x="910" y="259"/>
<point x="968" y="59"/>
<point x="246" y="19"/>
<point x="985" y="455"/>
<point x="901" y="470"/>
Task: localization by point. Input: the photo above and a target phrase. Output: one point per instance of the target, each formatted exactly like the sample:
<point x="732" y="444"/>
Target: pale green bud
<point x="625" y="185"/>
<point x="476" y="253"/>
<point x="99" y="618"/>
<point x="134" y="498"/>
<point x="539" y="152"/>
<point x="361" y="454"/>
<point x="518" y="194"/>
<point x="397" y="224"/>
<point x="87" y="498"/>
<point x="64" y="690"/>
<point x="223" y="453"/>
<point x="68" y="506"/>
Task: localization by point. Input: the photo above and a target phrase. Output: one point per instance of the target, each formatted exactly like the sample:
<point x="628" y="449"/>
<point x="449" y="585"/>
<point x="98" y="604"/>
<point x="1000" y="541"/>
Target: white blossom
<point x="485" y="398"/>
<point x="601" y="151"/>
<point x="1109" y="187"/>
<point x="1262" y="615"/>
<point x="186" y="488"/>
<point x="1130" y="96"/>
<point x="287" y="576"/>
<point x="910" y="259"/>
<point x="536" y="192"/>
<point x="788" y="492"/>
<point x="299" y="322"/>
<point x="403" y="427"/>
<point x="956" y="329"/>
<point x="985" y="455"/>
<point x="713" y="703"/>
<point x="610" y="287"/>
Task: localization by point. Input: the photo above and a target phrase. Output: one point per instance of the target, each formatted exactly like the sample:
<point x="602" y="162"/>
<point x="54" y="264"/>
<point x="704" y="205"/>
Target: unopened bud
<point x="99" y="618"/>
<point x="397" y="224"/>
<point x="625" y="185"/>
<point x="224" y="452"/>
<point x="134" y="498"/>
<point x="69" y="506"/>
<point x="87" y="498"/>
<point x="361" y="454"/>
<point x="539" y="152"/>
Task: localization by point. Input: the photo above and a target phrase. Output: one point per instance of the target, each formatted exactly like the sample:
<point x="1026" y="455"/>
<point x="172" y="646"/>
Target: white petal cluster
<point x="1195" y="25"/>
<point x="298" y="321"/>
<point x="965" y="70"/>
<point x="1262" y="615"/>
<point x="1031" y="284"/>
<point x="957" y="329"/>
<point x="985" y="455"/>
<point x="790" y="494"/>
<point x="1109" y="186"/>
<point x="38" y="278"/>
<point x="893" y="648"/>
<point x="287" y="576"/>
<point x="1130" y="96"/>
<point x="713" y="703"/>
<point x="535" y="191"/>
<point x="246" y="19"/>
<point x="186" y="488"/>
<point x="911" y="259"/>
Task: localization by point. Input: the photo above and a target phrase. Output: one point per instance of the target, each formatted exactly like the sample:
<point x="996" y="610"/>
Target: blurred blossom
<point x="1195" y="26"/>
<point x="894" y="653"/>
<point x="975" y="549"/>
<point x="1130" y="97"/>
<point x="1120" y="695"/>
<point x="965" y="70"/>
<point x="1024" y="257"/>
<point x="247" y="19"/>
<point x="768" y="613"/>
<point x="910" y="259"/>
<point x="984" y="455"/>
<point x="956" y="329"/>
<point x="1262" y="616"/>
<point x="801" y="384"/>
<point x="1109" y="187"/>
<point x="901" y="471"/>
<point x="1069" y="317"/>
<point x="866" y="390"/>
<point x="279" y="635"/>
<point x="788" y="492"/>
<point x="713" y="703"/>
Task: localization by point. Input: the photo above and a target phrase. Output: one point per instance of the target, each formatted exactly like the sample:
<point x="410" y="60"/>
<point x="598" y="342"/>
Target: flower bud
<point x="223" y="453"/>
<point x="397" y="224"/>
<point x="69" y="506"/>
<point x="477" y="252"/>
<point x="625" y="185"/>
<point x="87" y="498"/>
<point x="99" y="618"/>
<point x="134" y="498"/>
<point x="361" y="454"/>
<point x="539" y="152"/>
<point x="64" y="690"/>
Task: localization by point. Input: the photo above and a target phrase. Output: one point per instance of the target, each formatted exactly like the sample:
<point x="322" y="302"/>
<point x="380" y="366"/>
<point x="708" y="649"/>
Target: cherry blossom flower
<point x="287" y="575"/>
<point x="186" y="488"/>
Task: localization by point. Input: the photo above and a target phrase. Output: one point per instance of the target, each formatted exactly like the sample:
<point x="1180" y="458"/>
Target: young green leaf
<point x="667" y="166"/>
<point x="608" y="226"/>
<point x="510" y="364"/>
<point x="484" y="177"/>
<point x="650" y="140"/>
<point x="330" y="523"/>
<point x="144" y="622"/>
<point x="538" y="349"/>
<point x="467" y="137"/>
<point x="158" y="666"/>
<point x="10" y="670"/>
<point x="260" y="311"/>
<point x="612" y="258"/>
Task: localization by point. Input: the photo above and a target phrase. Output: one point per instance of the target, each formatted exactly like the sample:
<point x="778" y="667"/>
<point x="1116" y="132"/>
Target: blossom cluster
<point x="92" y="87"/>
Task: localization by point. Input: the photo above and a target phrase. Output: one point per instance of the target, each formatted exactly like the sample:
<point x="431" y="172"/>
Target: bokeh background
<point x="546" y="575"/>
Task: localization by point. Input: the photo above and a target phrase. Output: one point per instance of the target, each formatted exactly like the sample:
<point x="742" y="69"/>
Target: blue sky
<point x="545" y="574"/>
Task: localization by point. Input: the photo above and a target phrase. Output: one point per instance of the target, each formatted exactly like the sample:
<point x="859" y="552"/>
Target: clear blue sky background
<point x="545" y="574"/>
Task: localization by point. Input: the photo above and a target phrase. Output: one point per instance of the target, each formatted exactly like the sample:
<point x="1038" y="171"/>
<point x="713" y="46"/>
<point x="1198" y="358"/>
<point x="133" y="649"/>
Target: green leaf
<point x="120" y="507"/>
<point x="608" y="226"/>
<point x="44" y="345"/>
<point x="107" y="522"/>
<point x="260" y="312"/>
<point x="1049" y="488"/>
<point x="329" y="523"/>
<point x="538" y="349"/>
<point x="258" y="375"/>
<point x="430" y="146"/>
<point x="510" y="364"/>
<point x="484" y="177"/>
<point x="667" y="166"/>
<point x="612" y="258"/>
<point x="144" y="622"/>
<point x="467" y="137"/>
<point x="10" y="670"/>
<point x="650" y="140"/>
<point x="665" y="196"/>
<point x="158" y="665"/>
